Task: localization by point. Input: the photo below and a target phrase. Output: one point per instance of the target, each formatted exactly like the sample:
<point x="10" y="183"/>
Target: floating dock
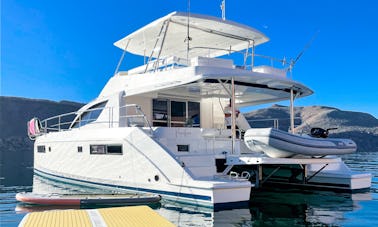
<point x="120" y="216"/>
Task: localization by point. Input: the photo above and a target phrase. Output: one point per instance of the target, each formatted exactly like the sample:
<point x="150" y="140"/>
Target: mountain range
<point x="16" y="149"/>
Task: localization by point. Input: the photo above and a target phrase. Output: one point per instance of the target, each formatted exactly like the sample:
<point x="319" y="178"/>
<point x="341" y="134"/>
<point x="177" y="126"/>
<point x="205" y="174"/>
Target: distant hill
<point x="16" y="149"/>
<point x="360" y="127"/>
<point x="15" y="112"/>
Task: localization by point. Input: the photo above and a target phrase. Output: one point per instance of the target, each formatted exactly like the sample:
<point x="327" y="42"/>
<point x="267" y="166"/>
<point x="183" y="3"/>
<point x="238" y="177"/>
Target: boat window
<point x="97" y="149"/>
<point x="90" y="115"/>
<point x="174" y="113"/>
<point x="114" y="149"/>
<point x="178" y="114"/>
<point x="183" y="147"/>
<point x="41" y="149"/>
<point x="220" y="164"/>
<point x="194" y="114"/>
<point x="105" y="149"/>
<point x="160" y="112"/>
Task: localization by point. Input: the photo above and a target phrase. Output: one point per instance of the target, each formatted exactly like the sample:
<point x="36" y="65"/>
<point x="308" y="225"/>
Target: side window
<point x="97" y="149"/>
<point x="41" y="149"/>
<point x="114" y="149"/>
<point x="90" y="115"/>
<point x="105" y="149"/>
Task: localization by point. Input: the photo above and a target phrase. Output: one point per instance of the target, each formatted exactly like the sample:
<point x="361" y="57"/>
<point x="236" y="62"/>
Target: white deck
<point x="253" y="160"/>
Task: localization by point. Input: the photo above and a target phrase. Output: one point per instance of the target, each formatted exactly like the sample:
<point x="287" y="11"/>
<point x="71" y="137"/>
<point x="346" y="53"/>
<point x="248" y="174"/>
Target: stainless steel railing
<point x="130" y="115"/>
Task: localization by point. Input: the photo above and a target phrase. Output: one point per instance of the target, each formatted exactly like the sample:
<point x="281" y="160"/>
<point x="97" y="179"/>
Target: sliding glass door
<point x="173" y="113"/>
<point x="178" y="114"/>
<point x="160" y="112"/>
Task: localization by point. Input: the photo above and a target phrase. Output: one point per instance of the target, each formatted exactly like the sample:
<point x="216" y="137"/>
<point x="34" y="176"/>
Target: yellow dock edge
<point x="119" y="216"/>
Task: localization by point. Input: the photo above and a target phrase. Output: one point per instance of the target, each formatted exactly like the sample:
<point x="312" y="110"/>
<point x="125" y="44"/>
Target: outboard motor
<point x="320" y="133"/>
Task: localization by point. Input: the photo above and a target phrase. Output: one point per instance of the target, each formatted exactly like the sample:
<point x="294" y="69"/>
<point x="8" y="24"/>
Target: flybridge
<point x="178" y="39"/>
<point x="188" y="46"/>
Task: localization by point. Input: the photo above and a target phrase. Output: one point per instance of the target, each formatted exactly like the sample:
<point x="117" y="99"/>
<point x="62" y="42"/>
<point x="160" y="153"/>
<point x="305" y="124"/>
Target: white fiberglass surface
<point x="204" y="31"/>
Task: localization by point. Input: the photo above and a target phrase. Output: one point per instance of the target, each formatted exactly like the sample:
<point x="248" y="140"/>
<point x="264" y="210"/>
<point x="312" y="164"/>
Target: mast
<point x="292" y="110"/>
<point x="233" y="117"/>
<point x="121" y="59"/>
<point x="223" y="8"/>
<point x="188" y="38"/>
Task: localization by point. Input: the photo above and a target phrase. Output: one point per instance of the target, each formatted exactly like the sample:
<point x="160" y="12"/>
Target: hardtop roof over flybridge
<point x="208" y="36"/>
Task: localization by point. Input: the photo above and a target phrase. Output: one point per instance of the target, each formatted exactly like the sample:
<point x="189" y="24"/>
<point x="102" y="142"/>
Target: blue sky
<point x="63" y="50"/>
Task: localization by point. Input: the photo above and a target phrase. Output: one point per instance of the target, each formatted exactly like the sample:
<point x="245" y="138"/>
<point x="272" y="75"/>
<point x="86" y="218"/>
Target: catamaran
<point x="160" y="127"/>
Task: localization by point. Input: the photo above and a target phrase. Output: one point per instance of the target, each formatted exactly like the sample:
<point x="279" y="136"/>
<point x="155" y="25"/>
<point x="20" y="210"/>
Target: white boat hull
<point x="338" y="175"/>
<point x="144" y="166"/>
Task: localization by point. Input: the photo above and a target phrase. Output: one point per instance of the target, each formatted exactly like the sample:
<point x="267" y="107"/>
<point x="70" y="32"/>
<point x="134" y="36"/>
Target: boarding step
<point x="199" y="165"/>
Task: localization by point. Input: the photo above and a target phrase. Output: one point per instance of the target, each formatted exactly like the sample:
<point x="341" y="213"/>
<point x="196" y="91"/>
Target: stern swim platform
<point x="326" y="173"/>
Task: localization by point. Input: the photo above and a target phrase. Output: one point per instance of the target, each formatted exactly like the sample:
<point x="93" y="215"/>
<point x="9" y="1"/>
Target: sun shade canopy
<point x="208" y="36"/>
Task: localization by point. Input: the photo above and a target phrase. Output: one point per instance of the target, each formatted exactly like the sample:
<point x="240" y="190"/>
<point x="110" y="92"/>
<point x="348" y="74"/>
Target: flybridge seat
<point x="270" y="70"/>
<point x="176" y="62"/>
<point x="212" y="62"/>
<point x="160" y="64"/>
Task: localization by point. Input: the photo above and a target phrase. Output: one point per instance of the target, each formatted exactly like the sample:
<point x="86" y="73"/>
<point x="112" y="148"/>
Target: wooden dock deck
<point x="119" y="216"/>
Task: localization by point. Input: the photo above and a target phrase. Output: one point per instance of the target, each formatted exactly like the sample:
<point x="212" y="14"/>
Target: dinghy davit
<point x="280" y="144"/>
<point x="87" y="199"/>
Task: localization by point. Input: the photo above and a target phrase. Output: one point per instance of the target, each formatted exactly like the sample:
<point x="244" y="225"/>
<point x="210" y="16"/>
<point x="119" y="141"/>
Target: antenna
<point x="294" y="61"/>
<point x="188" y="38"/>
<point x="223" y="8"/>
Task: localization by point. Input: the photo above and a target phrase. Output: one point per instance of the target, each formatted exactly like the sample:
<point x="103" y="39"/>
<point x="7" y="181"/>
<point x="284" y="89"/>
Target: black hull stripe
<point x="185" y="195"/>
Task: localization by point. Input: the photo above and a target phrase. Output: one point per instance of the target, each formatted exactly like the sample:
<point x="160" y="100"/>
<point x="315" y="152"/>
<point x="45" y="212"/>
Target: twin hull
<point x="142" y="164"/>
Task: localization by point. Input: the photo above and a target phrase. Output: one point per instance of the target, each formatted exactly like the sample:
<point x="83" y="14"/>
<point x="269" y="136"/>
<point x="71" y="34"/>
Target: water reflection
<point x="276" y="207"/>
<point x="268" y="208"/>
<point x="365" y="162"/>
<point x="294" y="207"/>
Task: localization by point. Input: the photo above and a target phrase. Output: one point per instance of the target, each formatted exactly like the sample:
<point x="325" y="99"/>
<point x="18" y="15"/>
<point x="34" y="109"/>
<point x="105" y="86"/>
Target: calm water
<point x="270" y="208"/>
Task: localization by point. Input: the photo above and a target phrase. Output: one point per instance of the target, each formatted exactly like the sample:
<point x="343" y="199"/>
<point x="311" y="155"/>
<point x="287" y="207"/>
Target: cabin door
<point x="175" y="113"/>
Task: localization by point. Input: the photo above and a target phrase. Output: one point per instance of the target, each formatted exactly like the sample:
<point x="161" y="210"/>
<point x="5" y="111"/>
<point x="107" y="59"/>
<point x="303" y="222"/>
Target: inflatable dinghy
<point x="280" y="144"/>
<point x="87" y="199"/>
